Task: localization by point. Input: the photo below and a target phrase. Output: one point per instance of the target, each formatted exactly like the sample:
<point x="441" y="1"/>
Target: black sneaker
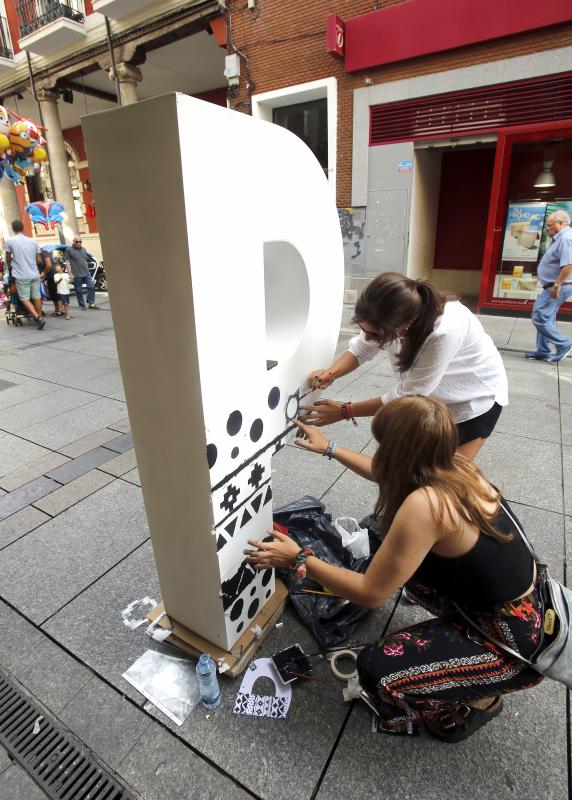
<point x="40" y="322"/>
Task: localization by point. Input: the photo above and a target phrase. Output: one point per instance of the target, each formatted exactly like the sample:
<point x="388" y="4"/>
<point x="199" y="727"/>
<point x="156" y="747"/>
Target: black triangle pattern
<point x="246" y="517"/>
<point x="268" y="497"/>
<point x="231" y="526"/>
<point x="256" y="503"/>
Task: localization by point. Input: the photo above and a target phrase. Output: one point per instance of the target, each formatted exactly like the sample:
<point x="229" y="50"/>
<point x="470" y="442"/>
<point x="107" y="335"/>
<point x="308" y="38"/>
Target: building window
<point x="309" y="110"/>
<point x="539" y="183"/>
<point x="309" y="121"/>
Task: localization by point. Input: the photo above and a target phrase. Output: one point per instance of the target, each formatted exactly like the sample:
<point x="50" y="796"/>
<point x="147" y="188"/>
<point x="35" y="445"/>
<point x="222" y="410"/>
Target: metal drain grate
<point x="57" y="762"/>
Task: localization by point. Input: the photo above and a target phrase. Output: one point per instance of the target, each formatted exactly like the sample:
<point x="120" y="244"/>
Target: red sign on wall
<point x="419" y="27"/>
<point x="335" y="36"/>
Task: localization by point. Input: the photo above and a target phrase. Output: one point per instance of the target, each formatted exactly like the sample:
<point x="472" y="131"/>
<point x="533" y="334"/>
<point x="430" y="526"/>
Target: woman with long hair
<point x="436" y="347"/>
<point x="452" y="540"/>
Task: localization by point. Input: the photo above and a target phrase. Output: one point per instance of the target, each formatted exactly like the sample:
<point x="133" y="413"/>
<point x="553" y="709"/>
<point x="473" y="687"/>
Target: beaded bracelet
<point x="330" y="450"/>
<point x="299" y="565"/>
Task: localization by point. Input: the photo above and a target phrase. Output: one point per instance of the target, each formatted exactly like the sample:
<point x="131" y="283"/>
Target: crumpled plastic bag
<point x="355" y="538"/>
<point x="331" y="620"/>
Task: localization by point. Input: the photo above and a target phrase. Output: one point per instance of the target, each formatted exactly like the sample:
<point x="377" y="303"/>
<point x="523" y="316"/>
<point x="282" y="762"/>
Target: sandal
<point x="459" y="722"/>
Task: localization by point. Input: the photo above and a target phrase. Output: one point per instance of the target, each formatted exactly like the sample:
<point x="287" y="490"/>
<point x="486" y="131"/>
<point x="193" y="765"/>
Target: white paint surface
<point x="248" y="266"/>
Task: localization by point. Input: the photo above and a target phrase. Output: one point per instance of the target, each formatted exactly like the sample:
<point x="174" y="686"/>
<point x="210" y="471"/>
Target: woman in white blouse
<point x="436" y="347"/>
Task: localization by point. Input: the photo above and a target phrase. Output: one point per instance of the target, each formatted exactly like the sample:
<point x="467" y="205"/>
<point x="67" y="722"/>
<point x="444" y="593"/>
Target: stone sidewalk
<point x="75" y="551"/>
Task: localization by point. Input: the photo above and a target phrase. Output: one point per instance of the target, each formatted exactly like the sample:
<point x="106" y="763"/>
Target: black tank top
<point x="491" y="573"/>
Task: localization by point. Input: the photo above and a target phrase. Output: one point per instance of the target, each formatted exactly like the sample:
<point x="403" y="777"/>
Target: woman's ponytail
<point x="431" y="306"/>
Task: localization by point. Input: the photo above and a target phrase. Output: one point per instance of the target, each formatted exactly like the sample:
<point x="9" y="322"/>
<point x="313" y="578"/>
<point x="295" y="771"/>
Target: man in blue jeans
<point x="77" y="264"/>
<point x="555" y="276"/>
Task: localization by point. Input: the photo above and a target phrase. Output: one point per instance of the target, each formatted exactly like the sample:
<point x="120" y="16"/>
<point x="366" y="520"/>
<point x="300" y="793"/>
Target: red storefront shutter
<point x="473" y="111"/>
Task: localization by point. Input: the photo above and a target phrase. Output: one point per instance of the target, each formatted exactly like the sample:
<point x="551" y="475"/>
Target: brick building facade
<point x="283" y="50"/>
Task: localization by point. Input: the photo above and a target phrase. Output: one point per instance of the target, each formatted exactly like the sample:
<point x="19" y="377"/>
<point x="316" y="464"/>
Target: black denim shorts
<point x="479" y="427"/>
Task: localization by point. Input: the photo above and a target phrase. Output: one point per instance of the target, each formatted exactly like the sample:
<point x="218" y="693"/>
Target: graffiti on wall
<point x="352" y="223"/>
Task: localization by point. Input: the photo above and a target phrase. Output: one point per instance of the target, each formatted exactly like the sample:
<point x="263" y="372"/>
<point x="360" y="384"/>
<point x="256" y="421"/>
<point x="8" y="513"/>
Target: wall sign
<point x="523" y="229"/>
<point x="335" y="36"/>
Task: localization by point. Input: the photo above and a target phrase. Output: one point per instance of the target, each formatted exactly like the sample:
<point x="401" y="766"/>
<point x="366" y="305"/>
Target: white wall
<point x="424" y="211"/>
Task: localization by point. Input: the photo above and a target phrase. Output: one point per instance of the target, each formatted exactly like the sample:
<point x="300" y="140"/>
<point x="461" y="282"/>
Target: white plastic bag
<point x="356" y="539"/>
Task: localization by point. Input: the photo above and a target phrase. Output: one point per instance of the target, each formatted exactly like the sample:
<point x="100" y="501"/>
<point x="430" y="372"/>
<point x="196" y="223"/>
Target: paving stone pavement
<point x="74" y="551"/>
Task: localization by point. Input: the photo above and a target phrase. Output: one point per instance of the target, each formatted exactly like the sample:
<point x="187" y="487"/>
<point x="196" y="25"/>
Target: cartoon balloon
<point x="4" y="143"/>
<point x="4" y="121"/>
<point x="38" y="156"/>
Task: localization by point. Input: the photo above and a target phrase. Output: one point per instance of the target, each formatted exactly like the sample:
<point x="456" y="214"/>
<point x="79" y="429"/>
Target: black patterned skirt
<point x="415" y="672"/>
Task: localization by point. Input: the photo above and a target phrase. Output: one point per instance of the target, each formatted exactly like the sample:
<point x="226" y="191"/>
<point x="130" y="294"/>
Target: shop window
<point x="539" y="183"/>
<point x="309" y="121"/>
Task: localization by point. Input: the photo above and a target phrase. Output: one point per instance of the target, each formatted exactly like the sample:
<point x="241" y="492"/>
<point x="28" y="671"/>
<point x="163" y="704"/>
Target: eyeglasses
<point x="375" y="337"/>
<point x="77" y="241"/>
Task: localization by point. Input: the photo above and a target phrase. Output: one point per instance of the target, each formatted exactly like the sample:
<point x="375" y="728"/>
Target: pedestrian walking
<point x="48" y="272"/>
<point x="555" y="275"/>
<point x="23" y="258"/>
<point x="77" y="263"/>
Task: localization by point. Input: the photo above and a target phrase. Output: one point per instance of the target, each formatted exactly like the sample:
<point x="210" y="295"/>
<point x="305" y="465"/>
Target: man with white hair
<point x="555" y="275"/>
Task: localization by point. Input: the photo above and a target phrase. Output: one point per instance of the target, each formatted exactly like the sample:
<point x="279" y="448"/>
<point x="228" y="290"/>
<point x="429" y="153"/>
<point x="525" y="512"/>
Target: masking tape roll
<point x="341" y="676"/>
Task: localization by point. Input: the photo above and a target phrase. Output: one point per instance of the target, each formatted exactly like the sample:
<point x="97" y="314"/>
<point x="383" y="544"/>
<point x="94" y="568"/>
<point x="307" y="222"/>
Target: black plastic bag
<point x="331" y="620"/>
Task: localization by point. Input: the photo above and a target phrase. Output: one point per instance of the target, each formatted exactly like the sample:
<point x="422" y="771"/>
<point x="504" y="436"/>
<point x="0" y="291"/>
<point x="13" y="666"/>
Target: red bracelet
<point x="347" y="414"/>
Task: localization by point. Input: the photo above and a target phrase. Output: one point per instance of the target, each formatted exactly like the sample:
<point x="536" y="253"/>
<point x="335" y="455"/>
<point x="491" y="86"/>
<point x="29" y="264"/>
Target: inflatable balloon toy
<point x="46" y="212"/>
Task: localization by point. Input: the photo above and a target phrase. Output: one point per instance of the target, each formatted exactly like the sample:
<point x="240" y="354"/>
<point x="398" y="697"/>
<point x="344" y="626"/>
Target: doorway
<point x="450" y="200"/>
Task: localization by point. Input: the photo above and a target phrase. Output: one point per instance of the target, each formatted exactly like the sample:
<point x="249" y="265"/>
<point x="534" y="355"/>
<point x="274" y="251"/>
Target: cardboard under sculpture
<point x="224" y="258"/>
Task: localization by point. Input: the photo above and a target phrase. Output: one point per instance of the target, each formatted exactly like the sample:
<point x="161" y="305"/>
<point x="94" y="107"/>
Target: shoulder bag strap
<point x="505" y="648"/>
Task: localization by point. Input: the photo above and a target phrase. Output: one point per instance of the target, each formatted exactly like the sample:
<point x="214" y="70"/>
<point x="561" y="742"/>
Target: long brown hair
<point x="390" y="301"/>
<point x="418" y="440"/>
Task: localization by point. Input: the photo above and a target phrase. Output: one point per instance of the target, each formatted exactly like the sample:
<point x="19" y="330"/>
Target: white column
<point x="129" y="76"/>
<point x="9" y="208"/>
<point x="62" y="187"/>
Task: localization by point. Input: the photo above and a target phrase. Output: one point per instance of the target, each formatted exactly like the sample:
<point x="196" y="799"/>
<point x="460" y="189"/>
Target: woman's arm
<point x="412" y="534"/>
<point x="322" y="378"/>
<point x="312" y="439"/>
<point x="359" y="350"/>
<point x="326" y="412"/>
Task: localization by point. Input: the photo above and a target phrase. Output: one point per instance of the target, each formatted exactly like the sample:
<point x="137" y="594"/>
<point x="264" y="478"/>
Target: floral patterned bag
<point x="554" y="657"/>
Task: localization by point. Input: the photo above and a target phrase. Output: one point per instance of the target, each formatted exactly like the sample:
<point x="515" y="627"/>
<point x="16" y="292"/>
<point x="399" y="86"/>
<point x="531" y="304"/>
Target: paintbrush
<point x="322" y="383"/>
<point x="309" y="677"/>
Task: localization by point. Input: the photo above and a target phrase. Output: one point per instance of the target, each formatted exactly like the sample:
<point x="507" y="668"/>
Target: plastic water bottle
<point x="208" y="683"/>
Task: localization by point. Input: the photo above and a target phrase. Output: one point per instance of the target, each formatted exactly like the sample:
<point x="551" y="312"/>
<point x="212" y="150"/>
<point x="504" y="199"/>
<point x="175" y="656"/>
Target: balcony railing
<point x="35" y="14"/>
<point x="5" y="43"/>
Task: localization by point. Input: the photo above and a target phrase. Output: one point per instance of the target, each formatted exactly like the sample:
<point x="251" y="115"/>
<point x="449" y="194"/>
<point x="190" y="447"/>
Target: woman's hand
<point x="310" y="438"/>
<point x="323" y="412"/>
<point x="320" y="379"/>
<point x="281" y="552"/>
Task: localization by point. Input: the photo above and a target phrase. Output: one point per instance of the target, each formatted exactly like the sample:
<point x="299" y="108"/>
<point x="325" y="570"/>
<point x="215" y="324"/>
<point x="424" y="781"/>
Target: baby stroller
<point x="15" y="311"/>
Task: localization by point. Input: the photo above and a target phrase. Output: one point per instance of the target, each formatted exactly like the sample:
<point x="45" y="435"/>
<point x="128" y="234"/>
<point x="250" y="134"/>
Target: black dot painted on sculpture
<point x="273" y="397"/>
<point x="236" y="610"/>
<point x="256" y="430"/>
<point x="253" y="591"/>
<point x="266" y="575"/>
<point x="211" y="455"/>
<point x="239" y="627"/>
<point x="234" y="423"/>
<point x="253" y="608"/>
<point x="234" y="452"/>
<point x="268" y="593"/>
